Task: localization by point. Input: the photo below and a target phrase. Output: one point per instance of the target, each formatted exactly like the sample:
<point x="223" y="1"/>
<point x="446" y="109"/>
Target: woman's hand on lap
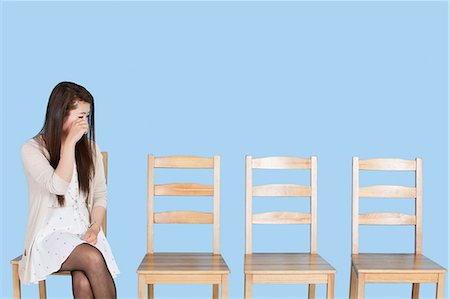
<point x="90" y="235"/>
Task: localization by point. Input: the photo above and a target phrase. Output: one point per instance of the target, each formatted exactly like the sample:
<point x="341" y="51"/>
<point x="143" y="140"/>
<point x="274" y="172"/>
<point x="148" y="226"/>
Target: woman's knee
<point x="94" y="259"/>
<point x="81" y="284"/>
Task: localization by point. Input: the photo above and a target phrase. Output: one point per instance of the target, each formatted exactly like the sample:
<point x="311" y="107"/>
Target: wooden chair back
<point x="105" y="168"/>
<point x="183" y="189"/>
<point x="387" y="191"/>
<point x="281" y="190"/>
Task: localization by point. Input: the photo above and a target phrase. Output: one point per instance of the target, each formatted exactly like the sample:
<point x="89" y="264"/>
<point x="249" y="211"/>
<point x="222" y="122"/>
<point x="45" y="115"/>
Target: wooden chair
<point x="391" y="268"/>
<point x="42" y="287"/>
<point x="284" y="268"/>
<point x="180" y="267"/>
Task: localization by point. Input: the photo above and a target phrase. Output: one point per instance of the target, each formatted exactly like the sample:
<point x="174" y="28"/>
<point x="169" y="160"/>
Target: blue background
<point x="332" y="79"/>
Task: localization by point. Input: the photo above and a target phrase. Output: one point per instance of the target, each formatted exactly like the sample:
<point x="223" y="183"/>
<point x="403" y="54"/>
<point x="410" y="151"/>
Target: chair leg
<point x="16" y="281"/>
<point x="415" y="290"/>
<point x="440" y="287"/>
<point x="352" y="283"/>
<point x="330" y="286"/>
<point x="42" y="290"/>
<point x="215" y="289"/>
<point x="311" y="291"/>
<point x="225" y="286"/>
<point x="361" y="285"/>
<point x="141" y="287"/>
<point x="150" y="291"/>
<point x="248" y="286"/>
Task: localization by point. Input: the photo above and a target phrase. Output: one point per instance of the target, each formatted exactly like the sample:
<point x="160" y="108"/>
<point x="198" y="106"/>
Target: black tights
<point x="90" y="275"/>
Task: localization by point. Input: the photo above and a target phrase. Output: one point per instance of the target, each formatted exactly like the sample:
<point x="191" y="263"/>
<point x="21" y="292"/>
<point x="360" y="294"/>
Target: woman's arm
<point x="99" y="200"/>
<point x="66" y="161"/>
<point x="37" y="166"/>
<point x="39" y="169"/>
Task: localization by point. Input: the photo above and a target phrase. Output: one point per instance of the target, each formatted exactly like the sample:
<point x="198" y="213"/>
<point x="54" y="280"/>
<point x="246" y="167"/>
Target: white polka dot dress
<point x="62" y="232"/>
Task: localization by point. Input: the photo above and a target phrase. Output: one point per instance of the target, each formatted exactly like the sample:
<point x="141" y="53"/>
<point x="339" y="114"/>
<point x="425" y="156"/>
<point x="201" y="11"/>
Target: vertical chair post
<point x="215" y="289"/>
<point x="248" y="286"/>
<point x="16" y="281"/>
<point x="141" y="287"/>
<point x="150" y="201"/>
<point x="352" y="283"/>
<point x="216" y="206"/>
<point x="415" y="290"/>
<point x="418" y="228"/>
<point x="150" y="291"/>
<point x="361" y="284"/>
<point x="313" y="230"/>
<point x="440" y="286"/>
<point x="42" y="290"/>
<point x="248" y="204"/>
<point x="355" y="205"/>
<point x="311" y="291"/>
<point x="330" y="286"/>
<point x="225" y="286"/>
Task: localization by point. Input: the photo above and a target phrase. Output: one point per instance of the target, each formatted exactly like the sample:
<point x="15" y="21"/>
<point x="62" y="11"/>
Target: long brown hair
<point x="63" y="99"/>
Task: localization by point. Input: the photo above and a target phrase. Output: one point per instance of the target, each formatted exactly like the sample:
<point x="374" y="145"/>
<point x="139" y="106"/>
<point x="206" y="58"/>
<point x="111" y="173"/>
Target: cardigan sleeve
<point x="99" y="187"/>
<point x="38" y="168"/>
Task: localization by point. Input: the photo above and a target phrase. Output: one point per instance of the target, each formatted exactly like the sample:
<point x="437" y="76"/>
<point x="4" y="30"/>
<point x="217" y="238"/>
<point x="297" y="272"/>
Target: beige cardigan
<point x="43" y="184"/>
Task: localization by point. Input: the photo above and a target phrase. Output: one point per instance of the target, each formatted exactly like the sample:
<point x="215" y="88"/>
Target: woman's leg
<point x="90" y="261"/>
<point x="81" y="287"/>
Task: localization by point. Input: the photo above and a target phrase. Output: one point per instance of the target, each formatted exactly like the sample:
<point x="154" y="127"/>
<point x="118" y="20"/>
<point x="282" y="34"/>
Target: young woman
<point x="67" y="198"/>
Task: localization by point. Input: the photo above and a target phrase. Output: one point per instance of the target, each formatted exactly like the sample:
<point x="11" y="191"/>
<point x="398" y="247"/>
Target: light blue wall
<point x="333" y="79"/>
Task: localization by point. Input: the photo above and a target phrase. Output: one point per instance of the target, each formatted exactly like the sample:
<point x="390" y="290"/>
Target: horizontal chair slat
<point x="282" y="218"/>
<point x="184" y="162"/>
<point x="183" y="217"/>
<point x="281" y="163"/>
<point x="282" y="190"/>
<point x="309" y="278"/>
<point x="184" y="190"/>
<point x="186" y="279"/>
<point x="387" y="219"/>
<point x="401" y="277"/>
<point x="387" y="164"/>
<point x="387" y="192"/>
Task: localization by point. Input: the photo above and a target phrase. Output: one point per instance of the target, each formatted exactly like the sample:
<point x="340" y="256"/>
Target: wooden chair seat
<point x="400" y="263"/>
<point x="286" y="263"/>
<point x="183" y="263"/>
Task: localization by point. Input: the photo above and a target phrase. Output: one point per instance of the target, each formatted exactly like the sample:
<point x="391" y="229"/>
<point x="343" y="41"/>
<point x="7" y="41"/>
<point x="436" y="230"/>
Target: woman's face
<point x="81" y="111"/>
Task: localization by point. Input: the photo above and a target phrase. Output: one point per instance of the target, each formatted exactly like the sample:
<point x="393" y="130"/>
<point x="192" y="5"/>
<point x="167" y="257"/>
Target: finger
<point x="92" y="240"/>
<point x="82" y="124"/>
<point x="78" y="121"/>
